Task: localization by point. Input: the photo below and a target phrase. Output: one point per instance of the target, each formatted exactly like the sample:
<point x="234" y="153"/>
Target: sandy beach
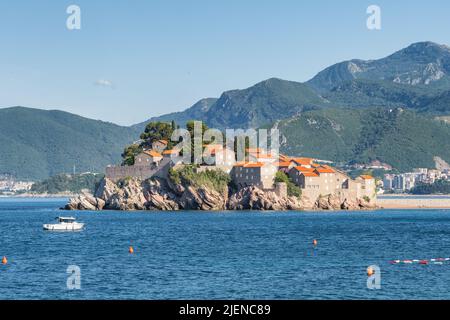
<point x="413" y="202"/>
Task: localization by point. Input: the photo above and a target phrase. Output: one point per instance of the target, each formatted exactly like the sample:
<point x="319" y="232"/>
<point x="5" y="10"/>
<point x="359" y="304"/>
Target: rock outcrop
<point x="253" y="198"/>
<point x="334" y="202"/>
<point x="163" y="195"/>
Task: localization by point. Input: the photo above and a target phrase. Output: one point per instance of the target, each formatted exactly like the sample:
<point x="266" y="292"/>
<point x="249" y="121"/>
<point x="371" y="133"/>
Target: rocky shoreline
<point x="162" y="195"/>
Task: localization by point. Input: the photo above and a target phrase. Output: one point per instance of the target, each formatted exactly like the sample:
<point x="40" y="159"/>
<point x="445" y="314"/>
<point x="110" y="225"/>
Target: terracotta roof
<point x="304" y="169"/>
<point x="282" y="164"/>
<point x="303" y="161"/>
<point x="254" y="165"/>
<point x="249" y="164"/>
<point x="239" y="164"/>
<point x="366" y="177"/>
<point x="173" y="151"/>
<point x="310" y="174"/>
<point x="153" y="153"/>
<point x="325" y="170"/>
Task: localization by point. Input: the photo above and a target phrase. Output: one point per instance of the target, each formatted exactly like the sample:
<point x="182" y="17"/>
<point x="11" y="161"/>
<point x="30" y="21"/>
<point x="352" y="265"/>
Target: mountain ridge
<point x="39" y="143"/>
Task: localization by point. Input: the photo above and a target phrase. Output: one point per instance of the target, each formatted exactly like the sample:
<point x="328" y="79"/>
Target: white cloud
<point x="104" y="83"/>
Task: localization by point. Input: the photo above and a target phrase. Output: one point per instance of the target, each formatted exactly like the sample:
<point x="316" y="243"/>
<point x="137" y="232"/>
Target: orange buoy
<point x="315" y="243"/>
<point x="131" y="250"/>
<point x="370" y="271"/>
<point x="4" y="260"/>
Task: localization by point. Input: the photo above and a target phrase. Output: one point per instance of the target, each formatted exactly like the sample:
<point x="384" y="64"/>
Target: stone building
<point x="322" y="180"/>
<point x="215" y="156"/>
<point x="160" y="145"/>
<point x="148" y="158"/>
<point x="257" y="174"/>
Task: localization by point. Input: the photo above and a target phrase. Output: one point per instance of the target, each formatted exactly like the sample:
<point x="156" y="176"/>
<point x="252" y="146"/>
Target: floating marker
<point x="315" y="243"/>
<point x="4" y="260"/>
<point x="438" y="261"/>
<point x="130" y="250"/>
<point x="370" y="271"/>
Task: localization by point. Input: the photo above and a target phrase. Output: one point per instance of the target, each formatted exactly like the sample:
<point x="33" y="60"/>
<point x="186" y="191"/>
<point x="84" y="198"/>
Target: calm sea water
<point x="222" y="255"/>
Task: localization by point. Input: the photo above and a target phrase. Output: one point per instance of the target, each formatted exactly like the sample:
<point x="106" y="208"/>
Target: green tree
<point x="292" y="189"/>
<point x="155" y="131"/>
<point x="130" y="153"/>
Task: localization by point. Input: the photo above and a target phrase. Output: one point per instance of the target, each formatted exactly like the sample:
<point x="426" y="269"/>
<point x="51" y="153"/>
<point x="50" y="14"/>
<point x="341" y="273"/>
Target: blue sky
<point x="135" y="59"/>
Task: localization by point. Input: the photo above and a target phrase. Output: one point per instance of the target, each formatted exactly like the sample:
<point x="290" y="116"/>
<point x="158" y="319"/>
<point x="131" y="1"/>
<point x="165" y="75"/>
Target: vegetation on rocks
<point x="217" y="180"/>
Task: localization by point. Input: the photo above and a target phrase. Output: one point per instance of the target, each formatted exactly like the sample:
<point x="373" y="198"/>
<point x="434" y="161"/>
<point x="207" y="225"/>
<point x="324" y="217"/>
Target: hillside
<point x="401" y="138"/>
<point x="37" y="144"/>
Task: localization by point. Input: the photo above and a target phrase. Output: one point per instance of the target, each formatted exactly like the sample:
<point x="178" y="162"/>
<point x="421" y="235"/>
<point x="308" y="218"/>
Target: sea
<point x="222" y="255"/>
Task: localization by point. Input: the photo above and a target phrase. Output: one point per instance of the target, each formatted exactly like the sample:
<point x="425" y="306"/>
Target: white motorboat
<point x="64" y="224"/>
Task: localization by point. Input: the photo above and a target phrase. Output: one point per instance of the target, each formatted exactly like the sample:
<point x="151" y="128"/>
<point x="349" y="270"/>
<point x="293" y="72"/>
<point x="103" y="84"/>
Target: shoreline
<point x="399" y="202"/>
<point x="414" y="202"/>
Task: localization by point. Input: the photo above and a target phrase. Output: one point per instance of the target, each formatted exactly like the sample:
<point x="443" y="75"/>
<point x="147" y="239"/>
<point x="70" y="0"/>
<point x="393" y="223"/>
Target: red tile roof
<point x="304" y="169"/>
<point x="325" y="170"/>
<point x="310" y="174"/>
<point x="282" y="164"/>
<point x="153" y="153"/>
<point x="254" y="165"/>
<point x="173" y="151"/>
<point x="303" y="161"/>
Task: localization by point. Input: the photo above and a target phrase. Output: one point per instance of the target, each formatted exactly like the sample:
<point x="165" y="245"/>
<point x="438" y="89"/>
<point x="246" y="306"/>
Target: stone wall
<point x="116" y="173"/>
<point x="281" y="189"/>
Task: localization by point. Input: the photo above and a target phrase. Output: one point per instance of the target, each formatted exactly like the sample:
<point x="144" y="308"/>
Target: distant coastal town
<point x="406" y="182"/>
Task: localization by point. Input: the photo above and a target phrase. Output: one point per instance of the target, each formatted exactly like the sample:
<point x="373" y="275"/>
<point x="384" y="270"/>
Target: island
<point x="153" y="177"/>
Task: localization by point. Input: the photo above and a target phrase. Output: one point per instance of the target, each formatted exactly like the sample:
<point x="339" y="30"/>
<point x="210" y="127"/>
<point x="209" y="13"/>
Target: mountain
<point x="261" y="104"/>
<point x="197" y="111"/>
<point x="258" y="105"/>
<point x="422" y="63"/>
<point x="399" y="137"/>
<point x="37" y="144"/>
<point x="417" y="77"/>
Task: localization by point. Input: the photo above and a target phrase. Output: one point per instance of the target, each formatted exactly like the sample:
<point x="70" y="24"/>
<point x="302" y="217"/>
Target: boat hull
<point x="64" y="227"/>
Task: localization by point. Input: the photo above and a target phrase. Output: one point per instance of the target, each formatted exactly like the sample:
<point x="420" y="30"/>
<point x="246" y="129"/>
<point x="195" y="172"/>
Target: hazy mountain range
<point x="347" y="112"/>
